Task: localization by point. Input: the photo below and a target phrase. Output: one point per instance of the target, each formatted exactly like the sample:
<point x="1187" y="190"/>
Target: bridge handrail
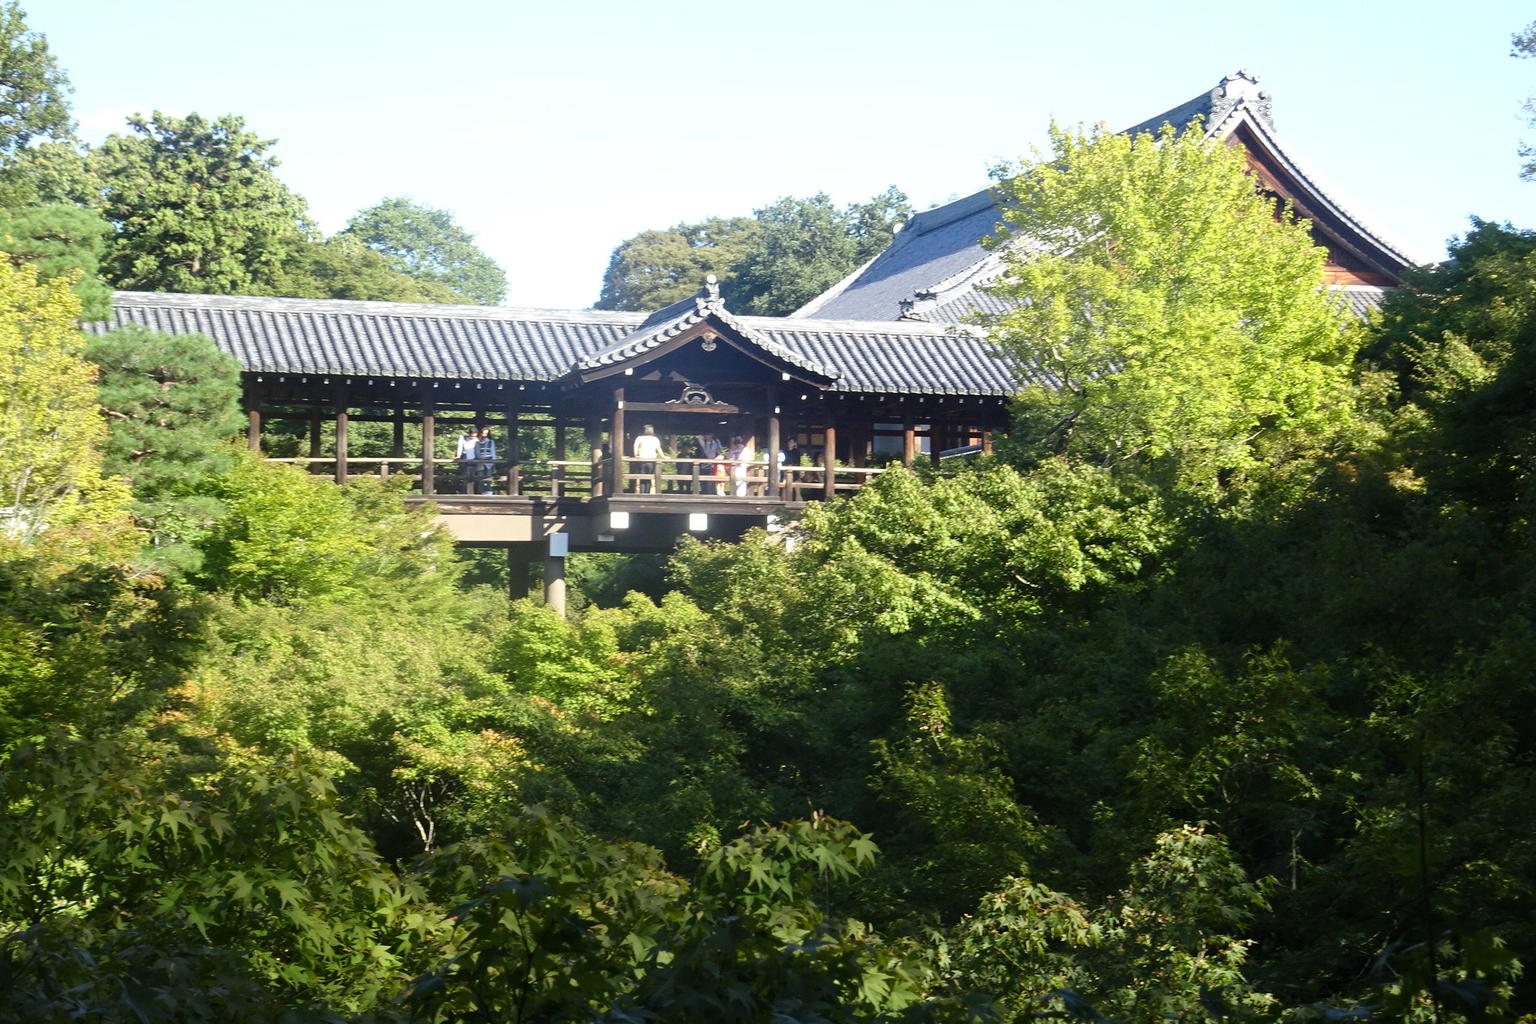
<point x="719" y="477"/>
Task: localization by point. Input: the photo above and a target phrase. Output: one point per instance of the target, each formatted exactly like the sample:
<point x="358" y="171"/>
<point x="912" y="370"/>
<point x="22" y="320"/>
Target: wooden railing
<point x="551" y="478"/>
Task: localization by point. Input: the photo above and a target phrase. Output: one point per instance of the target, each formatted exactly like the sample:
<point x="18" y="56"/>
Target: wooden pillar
<point x="514" y="449"/>
<point x="341" y="441"/>
<point x="829" y="462"/>
<point x="559" y="440"/>
<point x="616" y="446"/>
<point x="314" y="432"/>
<point x="908" y="440"/>
<point x="774" y="471"/>
<point x="518" y="567"/>
<point x="397" y="450"/>
<point x="986" y="442"/>
<point x="858" y="440"/>
<point x="428" y="446"/>
<point x="936" y="443"/>
<point x="251" y="402"/>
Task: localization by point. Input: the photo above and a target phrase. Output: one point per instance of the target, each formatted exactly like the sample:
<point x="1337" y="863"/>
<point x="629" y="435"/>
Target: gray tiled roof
<point x="931" y="269"/>
<point x="673" y="320"/>
<point x="390" y="339"/>
<point x="935" y="244"/>
<point x="1362" y="299"/>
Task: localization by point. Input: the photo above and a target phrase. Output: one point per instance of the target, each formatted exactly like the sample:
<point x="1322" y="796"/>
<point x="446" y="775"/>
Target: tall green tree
<point x="342" y="267"/>
<point x="429" y="246"/>
<point x="61" y="240"/>
<point x="33" y="89"/>
<point x="656" y="268"/>
<point x="808" y="245"/>
<point x="1523" y="44"/>
<point x="1163" y="313"/>
<point x="197" y="207"/>
<point x="50" y="427"/>
<point x="172" y="405"/>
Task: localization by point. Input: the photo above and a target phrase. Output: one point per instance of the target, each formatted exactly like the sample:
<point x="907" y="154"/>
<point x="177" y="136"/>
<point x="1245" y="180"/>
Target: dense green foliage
<point x="50" y="427"/>
<point x="1207" y="699"/>
<point x="428" y="246"/>
<point x="171" y="404"/>
<point x="176" y="233"/>
<point x="1138" y="336"/>
<point x="657" y="268"/>
<point x="60" y="240"/>
<point x="786" y="254"/>
<point x="32" y="99"/>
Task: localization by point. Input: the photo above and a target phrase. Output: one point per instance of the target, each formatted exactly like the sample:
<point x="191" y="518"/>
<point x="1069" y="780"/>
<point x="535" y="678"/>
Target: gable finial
<point x="711" y="287"/>
<point x="1240" y="87"/>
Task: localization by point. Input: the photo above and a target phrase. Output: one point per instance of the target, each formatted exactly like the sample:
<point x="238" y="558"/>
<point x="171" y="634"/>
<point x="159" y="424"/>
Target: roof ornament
<point x="711" y="287"/>
<point x="1239" y="89"/>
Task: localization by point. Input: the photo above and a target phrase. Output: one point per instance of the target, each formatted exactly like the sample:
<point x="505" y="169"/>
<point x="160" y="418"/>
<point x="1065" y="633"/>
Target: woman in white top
<point x="738" y="455"/>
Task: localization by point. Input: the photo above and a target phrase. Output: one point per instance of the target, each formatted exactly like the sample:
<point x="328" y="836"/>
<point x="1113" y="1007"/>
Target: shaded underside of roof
<point x="410" y="340"/>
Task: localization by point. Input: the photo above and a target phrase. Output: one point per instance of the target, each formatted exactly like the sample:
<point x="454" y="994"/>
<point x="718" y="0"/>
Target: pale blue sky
<point x="555" y="131"/>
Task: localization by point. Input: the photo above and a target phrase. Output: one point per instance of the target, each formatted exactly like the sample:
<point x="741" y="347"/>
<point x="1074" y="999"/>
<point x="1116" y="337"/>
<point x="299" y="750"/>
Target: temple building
<point x="936" y="269"/>
<point x="883" y="367"/>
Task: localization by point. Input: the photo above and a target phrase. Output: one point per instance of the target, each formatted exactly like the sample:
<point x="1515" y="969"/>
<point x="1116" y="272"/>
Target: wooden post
<point x="253" y="428"/>
<point x="773" y="446"/>
<point x="341" y="442"/>
<point x="514" y="449"/>
<point x="859" y="442"/>
<point x="617" y="445"/>
<point x="986" y="442"/>
<point x="397" y="450"/>
<point x="936" y="443"/>
<point x="908" y="440"/>
<point x="314" y="432"/>
<point x="829" y="461"/>
<point x="557" y="473"/>
<point x="428" y="457"/>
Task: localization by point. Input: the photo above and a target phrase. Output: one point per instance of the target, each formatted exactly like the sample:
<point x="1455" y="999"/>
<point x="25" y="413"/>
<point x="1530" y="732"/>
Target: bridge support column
<point x="518" y="574"/>
<point x="554" y="573"/>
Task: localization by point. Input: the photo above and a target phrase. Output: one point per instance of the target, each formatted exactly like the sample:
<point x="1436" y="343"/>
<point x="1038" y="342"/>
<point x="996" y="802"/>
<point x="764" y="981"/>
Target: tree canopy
<point x="196" y="207"/>
<point x="50" y="428"/>
<point x="657" y="268"/>
<point x="33" y="89"/>
<point x="1163" y="309"/>
<point x="428" y="246"/>
<point x="1523" y="44"/>
<point x="786" y="254"/>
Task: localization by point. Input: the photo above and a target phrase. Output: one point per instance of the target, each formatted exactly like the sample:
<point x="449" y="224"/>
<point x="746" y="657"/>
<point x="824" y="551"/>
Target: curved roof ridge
<point x="694" y="310"/>
<point x="363" y="307"/>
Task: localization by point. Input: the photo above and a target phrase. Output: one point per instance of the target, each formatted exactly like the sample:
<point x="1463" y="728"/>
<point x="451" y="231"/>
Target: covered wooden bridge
<point x="811" y="409"/>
